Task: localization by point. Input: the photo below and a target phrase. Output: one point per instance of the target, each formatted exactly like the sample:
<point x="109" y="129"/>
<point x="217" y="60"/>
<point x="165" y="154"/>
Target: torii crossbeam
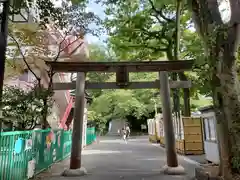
<point x="138" y="66"/>
<point x="122" y="70"/>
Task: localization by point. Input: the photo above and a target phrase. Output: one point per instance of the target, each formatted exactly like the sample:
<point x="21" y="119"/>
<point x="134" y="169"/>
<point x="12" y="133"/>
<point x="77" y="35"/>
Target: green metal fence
<point x="26" y="153"/>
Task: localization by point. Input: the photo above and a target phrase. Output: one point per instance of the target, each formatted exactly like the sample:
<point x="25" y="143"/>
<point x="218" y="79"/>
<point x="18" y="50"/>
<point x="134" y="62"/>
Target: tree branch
<point x="177" y="31"/>
<point x="24" y="58"/>
<point x="154" y="34"/>
<point x="50" y="72"/>
<point x="159" y="13"/>
<point x="160" y="35"/>
<point x="59" y="46"/>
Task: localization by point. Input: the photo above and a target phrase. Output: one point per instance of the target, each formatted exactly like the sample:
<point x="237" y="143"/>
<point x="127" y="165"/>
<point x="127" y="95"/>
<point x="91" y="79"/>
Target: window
<point x="210" y="129"/>
<point x="206" y="129"/>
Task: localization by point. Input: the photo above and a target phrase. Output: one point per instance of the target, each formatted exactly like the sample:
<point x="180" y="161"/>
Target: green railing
<point x="26" y="153"/>
<point x="91" y="135"/>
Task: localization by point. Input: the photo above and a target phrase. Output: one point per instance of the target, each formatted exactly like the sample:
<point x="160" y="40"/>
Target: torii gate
<point x="122" y="70"/>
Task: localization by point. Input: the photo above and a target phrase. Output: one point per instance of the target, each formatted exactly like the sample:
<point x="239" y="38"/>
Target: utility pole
<point x="168" y="120"/>
<point x="3" y="47"/>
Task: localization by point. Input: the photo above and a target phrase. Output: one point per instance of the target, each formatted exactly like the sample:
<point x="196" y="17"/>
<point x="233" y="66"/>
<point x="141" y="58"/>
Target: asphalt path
<point x="111" y="158"/>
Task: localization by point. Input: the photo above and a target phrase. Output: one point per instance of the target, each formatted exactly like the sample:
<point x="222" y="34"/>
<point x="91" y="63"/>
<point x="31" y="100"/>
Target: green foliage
<point x="119" y="104"/>
<point x="76" y="2"/>
<point x="192" y="48"/>
<point x="236" y="163"/>
<point x="77" y="17"/>
<point x="132" y="28"/>
<point x="110" y="104"/>
<point x="99" y="53"/>
<point x="47" y="9"/>
<point x="145" y="30"/>
<point x="99" y="122"/>
<point x="24" y="108"/>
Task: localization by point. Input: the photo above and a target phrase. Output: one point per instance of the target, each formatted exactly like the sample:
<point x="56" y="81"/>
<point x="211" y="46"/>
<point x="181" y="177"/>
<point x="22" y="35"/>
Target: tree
<point x="33" y="60"/>
<point x="148" y="29"/>
<point x="34" y="57"/>
<point x="72" y="20"/>
<point x="98" y="52"/>
<point x="221" y="42"/>
<point x="118" y="104"/>
<point x="22" y="108"/>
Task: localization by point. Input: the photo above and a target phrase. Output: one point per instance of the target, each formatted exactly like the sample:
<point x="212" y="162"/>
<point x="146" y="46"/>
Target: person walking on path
<point x="124" y="134"/>
<point x="127" y="131"/>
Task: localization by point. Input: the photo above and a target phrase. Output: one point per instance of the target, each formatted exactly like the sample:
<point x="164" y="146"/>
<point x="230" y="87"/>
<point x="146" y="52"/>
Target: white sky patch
<point x="225" y="10"/>
<point x="89" y="9"/>
<point x="57" y="3"/>
<point x="92" y="39"/>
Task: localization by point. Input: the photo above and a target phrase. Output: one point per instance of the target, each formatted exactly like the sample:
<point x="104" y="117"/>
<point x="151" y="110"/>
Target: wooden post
<point x="168" y="120"/>
<point x="76" y="152"/>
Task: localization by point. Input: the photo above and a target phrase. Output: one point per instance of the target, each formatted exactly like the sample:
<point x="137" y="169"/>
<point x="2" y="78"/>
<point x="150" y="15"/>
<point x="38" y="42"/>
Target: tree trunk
<point x="226" y="93"/>
<point x="48" y="78"/>
<point x="221" y="44"/>
<point x="45" y="123"/>
<point x="186" y="97"/>
<point x="186" y="101"/>
<point x="230" y="91"/>
<point x="221" y="127"/>
<point x="176" y="106"/>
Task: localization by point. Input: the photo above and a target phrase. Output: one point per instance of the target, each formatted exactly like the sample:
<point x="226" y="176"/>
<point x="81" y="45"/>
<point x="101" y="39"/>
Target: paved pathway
<point x="112" y="159"/>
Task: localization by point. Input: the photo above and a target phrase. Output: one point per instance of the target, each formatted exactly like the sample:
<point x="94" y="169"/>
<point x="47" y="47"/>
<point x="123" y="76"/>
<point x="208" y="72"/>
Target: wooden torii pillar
<point x="122" y="70"/>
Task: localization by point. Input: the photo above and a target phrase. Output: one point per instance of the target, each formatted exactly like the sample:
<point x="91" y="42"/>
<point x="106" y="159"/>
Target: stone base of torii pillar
<point x="179" y="170"/>
<point x="74" y="172"/>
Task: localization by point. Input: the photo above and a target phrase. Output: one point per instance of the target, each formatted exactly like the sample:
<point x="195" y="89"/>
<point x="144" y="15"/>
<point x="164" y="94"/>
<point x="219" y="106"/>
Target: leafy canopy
<point x="23" y="108"/>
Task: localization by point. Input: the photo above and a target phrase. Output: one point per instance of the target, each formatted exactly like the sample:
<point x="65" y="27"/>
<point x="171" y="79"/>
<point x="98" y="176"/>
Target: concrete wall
<point x="115" y="125"/>
<point x="54" y="118"/>
<point x="210" y="146"/>
<point x="211" y="152"/>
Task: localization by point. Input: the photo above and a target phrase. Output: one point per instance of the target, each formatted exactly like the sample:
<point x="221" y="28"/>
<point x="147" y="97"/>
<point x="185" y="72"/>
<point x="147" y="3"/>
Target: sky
<point x="98" y="10"/>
